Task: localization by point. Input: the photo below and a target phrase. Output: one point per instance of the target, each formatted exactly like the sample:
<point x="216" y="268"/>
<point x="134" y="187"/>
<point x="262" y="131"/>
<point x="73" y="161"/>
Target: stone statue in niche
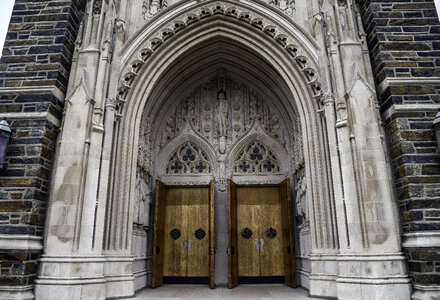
<point x="221" y="119"/>
<point x="297" y="145"/>
<point x="151" y="7"/>
<point x="343" y="14"/>
<point x="141" y="210"/>
<point x="300" y="198"/>
<point x="221" y="115"/>
<point x="145" y="144"/>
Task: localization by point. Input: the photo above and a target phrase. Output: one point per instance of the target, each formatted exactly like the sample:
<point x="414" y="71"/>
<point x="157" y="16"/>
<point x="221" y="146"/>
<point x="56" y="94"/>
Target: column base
<point x="373" y="276"/>
<point x="119" y="278"/>
<point x="70" y="277"/>
<point x="425" y="292"/>
<point x="370" y="291"/>
<point x="21" y="292"/>
<point x="324" y="272"/>
<point x="78" y="289"/>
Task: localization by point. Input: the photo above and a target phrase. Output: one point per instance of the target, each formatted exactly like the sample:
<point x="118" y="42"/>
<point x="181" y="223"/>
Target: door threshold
<point x="260" y="279"/>
<point x="185" y="280"/>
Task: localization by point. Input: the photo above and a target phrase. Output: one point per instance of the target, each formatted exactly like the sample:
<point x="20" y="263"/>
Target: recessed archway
<point x="183" y="62"/>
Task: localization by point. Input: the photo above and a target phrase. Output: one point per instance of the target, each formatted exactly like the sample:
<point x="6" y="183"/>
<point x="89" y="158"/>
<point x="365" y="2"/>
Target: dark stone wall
<point x="37" y="54"/>
<point x="404" y="42"/>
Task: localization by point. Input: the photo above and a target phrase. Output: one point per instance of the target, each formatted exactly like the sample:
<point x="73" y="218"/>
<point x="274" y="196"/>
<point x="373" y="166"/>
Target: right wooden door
<point x="261" y="231"/>
<point x="260" y="237"/>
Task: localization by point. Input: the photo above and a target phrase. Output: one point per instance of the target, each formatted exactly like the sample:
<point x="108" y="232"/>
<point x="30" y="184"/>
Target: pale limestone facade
<point x="296" y="78"/>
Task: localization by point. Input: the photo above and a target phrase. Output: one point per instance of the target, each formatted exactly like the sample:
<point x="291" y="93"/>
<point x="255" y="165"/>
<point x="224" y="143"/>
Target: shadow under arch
<point x="171" y="60"/>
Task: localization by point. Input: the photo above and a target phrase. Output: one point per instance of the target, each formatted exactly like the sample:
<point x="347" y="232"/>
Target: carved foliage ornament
<point x="188" y="159"/>
<point x="151" y="7"/>
<point x="256" y="158"/>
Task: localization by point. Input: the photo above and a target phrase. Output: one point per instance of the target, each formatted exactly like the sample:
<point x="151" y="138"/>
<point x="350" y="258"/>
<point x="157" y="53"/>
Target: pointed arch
<point x="256" y="133"/>
<point x="188" y="158"/>
<point x="204" y="149"/>
<point x="256" y="158"/>
<point x="170" y="65"/>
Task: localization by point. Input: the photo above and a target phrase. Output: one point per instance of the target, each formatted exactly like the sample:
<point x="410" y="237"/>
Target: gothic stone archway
<point x="353" y="225"/>
<point x="218" y="49"/>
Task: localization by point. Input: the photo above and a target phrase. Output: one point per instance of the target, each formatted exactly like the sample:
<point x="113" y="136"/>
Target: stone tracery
<point x="188" y="159"/>
<point x="256" y="158"/>
<point x="222" y="111"/>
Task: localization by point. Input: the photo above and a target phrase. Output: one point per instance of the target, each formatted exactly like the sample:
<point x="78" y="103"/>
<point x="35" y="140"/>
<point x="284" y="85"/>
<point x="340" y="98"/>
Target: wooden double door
<point x="183" y="235"/>
<point x="260" y="245"/>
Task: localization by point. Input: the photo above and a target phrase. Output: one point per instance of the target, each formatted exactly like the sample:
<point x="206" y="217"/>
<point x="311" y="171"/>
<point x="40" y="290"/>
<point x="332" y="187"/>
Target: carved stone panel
<point x="222" y="111"/>
<point x="256" y="158"/>
<point x="188" y="159"/>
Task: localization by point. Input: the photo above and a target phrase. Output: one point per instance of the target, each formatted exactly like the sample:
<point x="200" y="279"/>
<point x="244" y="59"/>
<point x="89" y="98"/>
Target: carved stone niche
<point x="143" y="198"/>
<point x="223" y="129"/>
<point x="223" y="107"/>
<point x="186" y="160"/>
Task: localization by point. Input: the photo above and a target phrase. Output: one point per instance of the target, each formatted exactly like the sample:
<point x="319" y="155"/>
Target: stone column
<point x="371" y="264"/>
<point x="72" y="265"/>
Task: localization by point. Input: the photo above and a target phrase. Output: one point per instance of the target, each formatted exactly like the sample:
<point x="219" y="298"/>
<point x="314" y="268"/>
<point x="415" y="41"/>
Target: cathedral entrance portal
<point x="260" y="235"/>
<point x="223" y="128"/>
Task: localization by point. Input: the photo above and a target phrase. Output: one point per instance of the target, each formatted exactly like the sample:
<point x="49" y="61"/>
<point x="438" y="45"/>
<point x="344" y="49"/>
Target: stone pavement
<point x="243" y="291"/>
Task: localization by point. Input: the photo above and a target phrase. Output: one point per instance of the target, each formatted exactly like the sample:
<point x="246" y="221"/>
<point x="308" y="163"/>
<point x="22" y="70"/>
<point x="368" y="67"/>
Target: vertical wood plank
<point x="269" y="216"/>
<point x="249" y="261"/>
<point x="211" y="235"/>
<point x="288" y="249"/>
<point x="197" y="217"/>
<point x="158" y="235"/>
<point x="232" y="235"/>
<point x="176" y="211"/>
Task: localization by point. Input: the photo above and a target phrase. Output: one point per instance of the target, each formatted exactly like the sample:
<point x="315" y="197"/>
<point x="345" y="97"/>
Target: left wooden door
<point x="175" y="261"/>
<point x="184" y="234"/>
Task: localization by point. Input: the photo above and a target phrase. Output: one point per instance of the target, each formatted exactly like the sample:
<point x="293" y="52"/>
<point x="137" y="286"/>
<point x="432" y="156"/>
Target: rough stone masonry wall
<point x="34" y="72"/>
<point x="404" y="44"/>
